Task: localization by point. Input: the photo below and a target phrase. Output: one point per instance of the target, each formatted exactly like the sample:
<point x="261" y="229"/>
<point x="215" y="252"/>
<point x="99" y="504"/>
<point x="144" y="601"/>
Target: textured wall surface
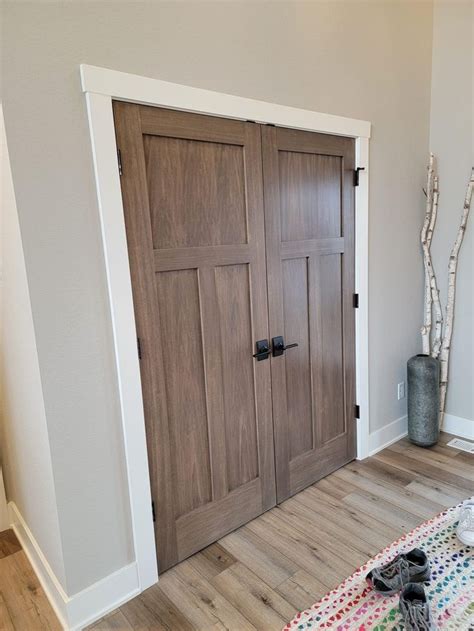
<point x="25" y="454"/>
<point x="452" y="141"/>
<point x="363" y="60"/>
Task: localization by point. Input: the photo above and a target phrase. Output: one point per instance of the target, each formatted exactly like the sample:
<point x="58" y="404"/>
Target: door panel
<point x="233" y="292"/>
<point x="195" y="182"/>
<point x="295" y="284"/>
<point x="178" y="302"/>
<point x="309" y="195"/>
<point x="193" y="202"/>
<point x="328" y="354"/>
<point x="309" y="220"/>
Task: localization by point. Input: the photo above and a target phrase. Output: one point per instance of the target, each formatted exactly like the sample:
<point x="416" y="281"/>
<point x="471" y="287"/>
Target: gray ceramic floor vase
<point x="423" y="400"/>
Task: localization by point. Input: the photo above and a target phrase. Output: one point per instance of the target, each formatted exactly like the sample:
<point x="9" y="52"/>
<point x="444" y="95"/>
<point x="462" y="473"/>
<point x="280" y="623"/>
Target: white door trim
<point x="101" y="86"/>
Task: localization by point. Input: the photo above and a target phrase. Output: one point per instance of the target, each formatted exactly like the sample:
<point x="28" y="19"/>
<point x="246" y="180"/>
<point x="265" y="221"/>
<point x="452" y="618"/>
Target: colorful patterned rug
<point x="353" y="606"/>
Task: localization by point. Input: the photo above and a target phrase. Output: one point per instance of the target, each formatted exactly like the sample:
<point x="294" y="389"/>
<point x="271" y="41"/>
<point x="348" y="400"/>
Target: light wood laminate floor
<point x="259" y="576"/>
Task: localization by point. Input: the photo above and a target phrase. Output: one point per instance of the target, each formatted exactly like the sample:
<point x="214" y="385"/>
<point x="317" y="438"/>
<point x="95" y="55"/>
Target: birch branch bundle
<point x="441" y="345"/>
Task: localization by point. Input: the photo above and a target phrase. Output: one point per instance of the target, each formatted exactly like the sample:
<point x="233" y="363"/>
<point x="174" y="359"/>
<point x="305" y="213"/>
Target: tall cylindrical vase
<point x="423" y="400"/>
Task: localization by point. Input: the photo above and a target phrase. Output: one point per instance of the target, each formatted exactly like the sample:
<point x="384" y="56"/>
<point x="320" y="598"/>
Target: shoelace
<point x="401" y="567"/>
<point x="416" y="615"/>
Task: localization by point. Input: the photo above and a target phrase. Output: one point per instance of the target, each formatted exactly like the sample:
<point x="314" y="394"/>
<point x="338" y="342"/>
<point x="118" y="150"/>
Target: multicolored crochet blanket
<point x="353" y="606"/>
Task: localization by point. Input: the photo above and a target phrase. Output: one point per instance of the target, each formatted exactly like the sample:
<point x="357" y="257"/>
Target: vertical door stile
<point x="275" y="306"/>
<point x="140" y="250"/>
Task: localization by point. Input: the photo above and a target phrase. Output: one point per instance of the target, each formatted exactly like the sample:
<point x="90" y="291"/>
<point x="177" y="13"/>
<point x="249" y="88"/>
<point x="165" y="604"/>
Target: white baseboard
<point x="462" y="427"/>
<point x="387" y="435"/>
<point x="102" y="597"/>
<point x="50" y="584"/>
<point x="77" y="611"/>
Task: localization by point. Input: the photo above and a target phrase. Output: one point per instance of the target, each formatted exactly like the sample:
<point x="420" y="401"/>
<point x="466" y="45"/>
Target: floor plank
<point x="441" y="461"/>
<point x="154" y="611"/>
<point x="259" y="556"/>
<point x="257" y="601"/>
<point x="9" y="544"/>
<point x="22" y="597"/>
<point x="6" y="623"/>
<point x="442" y="493"/>
<point x="356" y="521"/>
<point x="301" y="589"/>
<point x="418" y="466"/>
<point x="115" y="621"/>
<point x="405" y="499"/>
<point x="257" y="577"/>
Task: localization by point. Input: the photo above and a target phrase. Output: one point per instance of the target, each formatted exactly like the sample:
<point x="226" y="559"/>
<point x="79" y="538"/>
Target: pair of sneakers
<point x="405" y="574"/>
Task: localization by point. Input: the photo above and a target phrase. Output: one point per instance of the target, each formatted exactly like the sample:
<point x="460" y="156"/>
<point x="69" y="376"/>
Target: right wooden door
<point x="309" y="224"/>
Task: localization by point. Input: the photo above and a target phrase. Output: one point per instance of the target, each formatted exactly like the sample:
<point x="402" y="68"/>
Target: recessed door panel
<point x="310" y="195"/>
<point x="299" y="388"/>
<point x="328" y="351"/>
<point x="183" y="368"/>
<point x="195" y="182"/>
<point x="234" y="308"/>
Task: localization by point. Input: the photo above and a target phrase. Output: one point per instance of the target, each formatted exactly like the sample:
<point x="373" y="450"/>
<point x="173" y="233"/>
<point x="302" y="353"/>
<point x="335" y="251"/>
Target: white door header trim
<point x="130" y="87"/>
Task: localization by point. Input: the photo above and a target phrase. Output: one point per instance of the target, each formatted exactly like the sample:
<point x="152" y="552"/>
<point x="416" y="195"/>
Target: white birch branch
<point x="426" y="328"/>
<point x="452" y="271"/>
<point x="436" y="346"/>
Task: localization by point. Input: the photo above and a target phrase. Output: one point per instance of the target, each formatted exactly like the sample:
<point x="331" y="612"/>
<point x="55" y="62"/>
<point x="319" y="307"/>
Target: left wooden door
<point x="193" y="203"/>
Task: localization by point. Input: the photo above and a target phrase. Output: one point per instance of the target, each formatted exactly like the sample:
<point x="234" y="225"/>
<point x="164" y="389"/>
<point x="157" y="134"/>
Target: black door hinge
<point x="119" y="160"/>
<point x="139" y="348"/>
<point x="356" y="411"/>
<point x="356" y="175"/>
<point x="355" y="301"/>
<point x="153" y="510"/>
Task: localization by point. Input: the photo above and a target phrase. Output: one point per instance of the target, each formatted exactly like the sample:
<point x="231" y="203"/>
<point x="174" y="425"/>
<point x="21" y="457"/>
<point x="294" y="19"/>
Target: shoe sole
<point x="466" y="542"/>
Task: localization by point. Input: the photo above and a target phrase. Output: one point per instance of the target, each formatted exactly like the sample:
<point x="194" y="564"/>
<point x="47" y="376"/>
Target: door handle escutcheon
<point x="278" y="344"/>
<point x="263" y="350"/>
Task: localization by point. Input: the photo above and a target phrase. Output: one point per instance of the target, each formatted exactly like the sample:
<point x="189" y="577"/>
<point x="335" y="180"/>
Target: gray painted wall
<point x="452" y="141"/>
<point x="26" y="456"/>
<point x="358" y="59"/>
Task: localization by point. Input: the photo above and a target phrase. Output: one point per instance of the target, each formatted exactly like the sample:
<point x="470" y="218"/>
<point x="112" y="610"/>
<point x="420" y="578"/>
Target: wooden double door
<point x="241" y="243"/>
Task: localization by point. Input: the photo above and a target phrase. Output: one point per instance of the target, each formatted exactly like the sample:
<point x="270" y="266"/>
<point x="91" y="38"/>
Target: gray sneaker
<point x="415" y="609"/>
<point x="412" y="567"/>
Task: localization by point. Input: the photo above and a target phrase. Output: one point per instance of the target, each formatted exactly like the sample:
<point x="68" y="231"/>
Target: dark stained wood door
<point x="193" y="201"/>
<point x="309" y="220"/>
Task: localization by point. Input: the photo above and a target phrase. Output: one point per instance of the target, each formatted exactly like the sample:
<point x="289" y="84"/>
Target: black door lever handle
<point x="278" y="344"/>
<point x="263" y="350"/>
